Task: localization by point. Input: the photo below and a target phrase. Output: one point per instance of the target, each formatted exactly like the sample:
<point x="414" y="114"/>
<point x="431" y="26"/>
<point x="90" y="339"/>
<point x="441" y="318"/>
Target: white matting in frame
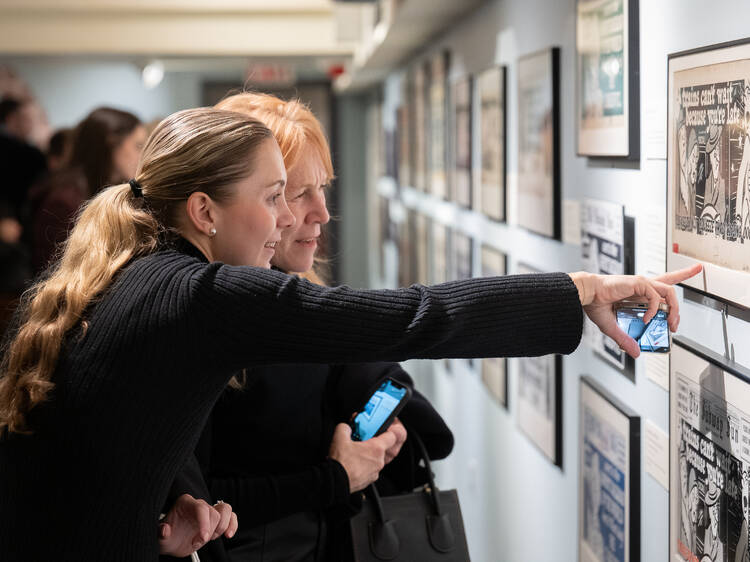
<point x="495" y="369"/>
<point x="608" y="477"/>
<point x="709" y="456"/>
<point x="708" y="168"/>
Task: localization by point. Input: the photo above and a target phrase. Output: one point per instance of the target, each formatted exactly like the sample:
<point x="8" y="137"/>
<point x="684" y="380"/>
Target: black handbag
<point x="423" y="526"/>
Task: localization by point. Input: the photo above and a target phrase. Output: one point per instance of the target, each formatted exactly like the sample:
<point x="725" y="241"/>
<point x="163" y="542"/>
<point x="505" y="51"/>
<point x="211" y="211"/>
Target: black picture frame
<point x="608" y="136"/>
<point x="602" y="414"/>
<point x="539" y="161"/>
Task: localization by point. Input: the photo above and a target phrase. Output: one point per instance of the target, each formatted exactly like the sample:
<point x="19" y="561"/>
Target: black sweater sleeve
<point x="262" y="499"/>
<point x="255" y="316"/>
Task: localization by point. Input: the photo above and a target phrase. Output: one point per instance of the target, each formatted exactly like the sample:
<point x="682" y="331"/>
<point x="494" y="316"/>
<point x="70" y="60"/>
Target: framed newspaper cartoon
<point x="539" y="142"/>
<point x="539" y="399"/>
<point x="609" y="469"/>
<point x="709" y="456"/>
<point x="607" y="84"/>
<point x="491" y="93"/>
<point x="708" y="168"/>
<point x="495" y="369"/>
<point x="461" y="185"/>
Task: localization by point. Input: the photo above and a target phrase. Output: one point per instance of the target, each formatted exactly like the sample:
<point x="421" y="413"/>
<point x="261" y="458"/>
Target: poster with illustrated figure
<point x="709" y="456"/>
<point x="609" y="477"/>
<point x="708" y="168"/>
<point x="491" y="94"/>
<point x="494" y="369"/>
<point x="607" y="85"/>
<point x="461" y="146"/>
<point x="605" y="246"/>
<point x="539" y="400"/>
<point x="539" y="142"/>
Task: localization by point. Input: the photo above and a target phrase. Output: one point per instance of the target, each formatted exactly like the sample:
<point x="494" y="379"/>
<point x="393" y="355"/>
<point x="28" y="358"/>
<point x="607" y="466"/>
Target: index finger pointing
<point x="673" y="277"/>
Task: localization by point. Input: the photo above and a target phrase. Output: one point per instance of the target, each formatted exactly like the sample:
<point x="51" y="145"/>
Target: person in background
<point x="21" y="165"/>
<point x="58" y="149"/>
<point x="105" y="149"/>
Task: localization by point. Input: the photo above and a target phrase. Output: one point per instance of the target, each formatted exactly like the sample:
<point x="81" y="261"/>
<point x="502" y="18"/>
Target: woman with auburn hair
<point x="164" y="291"/>
<point x="292" y="485"/>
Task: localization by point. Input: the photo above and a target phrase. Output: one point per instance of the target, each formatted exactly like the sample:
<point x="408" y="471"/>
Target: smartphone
<point x="654" y="336"/>
<point x="381" y="409"/>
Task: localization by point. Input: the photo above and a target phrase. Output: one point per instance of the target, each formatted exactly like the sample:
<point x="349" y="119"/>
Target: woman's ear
<point x="201" y="211"/>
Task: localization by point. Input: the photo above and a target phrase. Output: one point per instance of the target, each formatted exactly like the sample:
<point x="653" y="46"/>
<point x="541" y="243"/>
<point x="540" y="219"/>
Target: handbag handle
<point x="431" y="489"/>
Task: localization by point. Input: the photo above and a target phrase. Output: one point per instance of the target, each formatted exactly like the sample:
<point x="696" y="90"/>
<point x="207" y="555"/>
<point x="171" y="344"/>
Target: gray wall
<point x="517" y="506"/>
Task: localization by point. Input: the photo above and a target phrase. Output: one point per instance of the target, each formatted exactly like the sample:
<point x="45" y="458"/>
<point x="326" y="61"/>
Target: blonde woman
<point x="163" y="292"/>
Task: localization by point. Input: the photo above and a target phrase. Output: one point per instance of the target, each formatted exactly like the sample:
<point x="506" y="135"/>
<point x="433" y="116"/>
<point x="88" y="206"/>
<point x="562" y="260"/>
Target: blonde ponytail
<point x="109" y="232"/>
<point x="202" y="149"/>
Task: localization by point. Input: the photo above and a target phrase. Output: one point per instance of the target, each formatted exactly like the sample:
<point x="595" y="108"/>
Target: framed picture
<point x="540" y="399"/>
<point x="607" y="85"/>
<point x="491" y="94"/>
<point x="607" y="241"/>
<point x="439" y="125"/>
<point x="461" y="248"/>
<point x="461" y="146"/>
<point x="404" y="146"/>
<point x="495" y="369"/>
<point x="407" y="251"/>
<point x="419" y="150"/>
<point x="609" y="483"/>
<point x="709" y="457"/>
<point x="539" y="142"/>
<point x="439" y="252"/>
<point x="421" y="270"/>
<point x="708" y="168"/>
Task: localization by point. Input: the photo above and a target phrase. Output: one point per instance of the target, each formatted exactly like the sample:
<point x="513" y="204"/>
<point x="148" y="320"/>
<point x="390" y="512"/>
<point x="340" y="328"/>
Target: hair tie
<point x="136" y="188"/>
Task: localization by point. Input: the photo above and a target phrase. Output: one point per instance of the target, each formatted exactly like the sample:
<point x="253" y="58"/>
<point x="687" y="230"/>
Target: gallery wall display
<point x="539" y="142"/>
<point x="494" y="369"/>
<point x="407" y="259"/>
<point x="708" y="168"/>
<point x="438" y="137"/>
<point x="607" y="81"/>
<point x="419" y="150"/>
<point x="461" y="184"/>
<point x="608" y="477"/>
<point x="607" y="241"/>
<point x="709" y="462"/>
<point x="491" y="94"/>
<point x="404" y="145"/>
<point x="540" y="399"/>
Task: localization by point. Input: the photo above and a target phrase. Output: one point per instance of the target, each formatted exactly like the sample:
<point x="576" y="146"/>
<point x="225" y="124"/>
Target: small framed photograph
<point x="539" y="143"/>
<point x="495" y="369"/>
<point x="491" y="94"/>
<point x="609" y="469"/>
<point x="439" y="125"/>
<point x="539" y="400"/>
<point x="607" y="84"/>
<point x="461" y="147"/>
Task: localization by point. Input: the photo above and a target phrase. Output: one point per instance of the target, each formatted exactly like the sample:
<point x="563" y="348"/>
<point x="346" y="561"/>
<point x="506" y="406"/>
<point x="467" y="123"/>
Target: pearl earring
<point x="212" y="232"/>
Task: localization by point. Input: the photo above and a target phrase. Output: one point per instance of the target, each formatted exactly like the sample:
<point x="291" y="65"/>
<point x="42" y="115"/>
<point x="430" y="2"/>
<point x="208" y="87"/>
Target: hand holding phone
<point x="652" y="337"/>
<point x="381" y="408"/>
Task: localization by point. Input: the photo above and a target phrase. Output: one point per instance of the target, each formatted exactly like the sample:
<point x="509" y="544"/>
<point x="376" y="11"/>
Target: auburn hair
<point x="204" y="150"/>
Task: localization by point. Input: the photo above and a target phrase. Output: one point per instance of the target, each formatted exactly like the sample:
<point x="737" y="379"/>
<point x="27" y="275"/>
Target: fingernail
<point x="196" y="545"/>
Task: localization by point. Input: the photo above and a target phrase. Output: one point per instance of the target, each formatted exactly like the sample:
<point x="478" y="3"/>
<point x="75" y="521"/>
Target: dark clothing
<point x="267" y="455"/>
<point x="134" y="390"/>
<point x="21" y="164"/>
<point x="54" y="204"/>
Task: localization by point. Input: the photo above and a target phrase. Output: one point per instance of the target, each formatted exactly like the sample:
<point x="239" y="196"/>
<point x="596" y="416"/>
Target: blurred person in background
<point x="58" y="149"/>
<point x="21" y="164"/>
<point x="105" y="149"/>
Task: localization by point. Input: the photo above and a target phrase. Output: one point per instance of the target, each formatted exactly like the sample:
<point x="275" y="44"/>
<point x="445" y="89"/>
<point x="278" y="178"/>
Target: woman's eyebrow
<point x="280" y="182"/>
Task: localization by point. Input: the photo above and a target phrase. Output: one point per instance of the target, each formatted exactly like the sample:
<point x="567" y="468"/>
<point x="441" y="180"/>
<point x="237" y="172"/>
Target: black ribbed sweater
<point x="133" y="392"/>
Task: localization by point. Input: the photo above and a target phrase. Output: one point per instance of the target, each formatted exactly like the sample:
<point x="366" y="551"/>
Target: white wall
<point x="517" y="506"/>
<point x="69" y="89"/>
